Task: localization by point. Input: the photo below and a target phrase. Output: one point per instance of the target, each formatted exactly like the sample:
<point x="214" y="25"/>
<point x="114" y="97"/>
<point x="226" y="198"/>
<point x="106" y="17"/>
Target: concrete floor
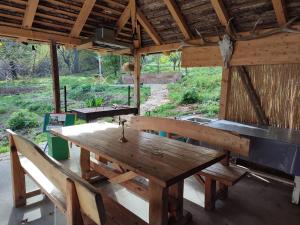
<point x="251" y="201"/>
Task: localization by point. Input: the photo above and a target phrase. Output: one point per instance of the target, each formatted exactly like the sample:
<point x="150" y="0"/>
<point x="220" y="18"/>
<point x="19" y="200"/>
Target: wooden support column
<point x="225" y="93"/>
<point x="85" y="163"/>
<point x="137" y="77"/>
<point x="254" y="99"/>
<point x="55" y="77"/>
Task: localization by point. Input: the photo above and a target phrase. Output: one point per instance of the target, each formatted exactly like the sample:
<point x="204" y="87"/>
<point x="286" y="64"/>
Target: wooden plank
<point x="73" y="206"/>
<point x="158" y="204"/>
<point x="123" y="177"/>
<point x="148" y="27"/>
<point x="253" y="96"/>
<point x="55" y="77"/>
<point x="221" y="11"/>
<point x="18" y="176"/>
<point x="132" y="4"/>
<point x="277" y="49"/>
<point x="280" y="11"/>
<point x="137" y="80"/>
<point x="82" y="17"/>
<point x="30" y="13"/>
<point x="33" y="193"/>
<point x="179" y="19"/>
<point x="211" y="136"/>
<point x="225" y="92"/>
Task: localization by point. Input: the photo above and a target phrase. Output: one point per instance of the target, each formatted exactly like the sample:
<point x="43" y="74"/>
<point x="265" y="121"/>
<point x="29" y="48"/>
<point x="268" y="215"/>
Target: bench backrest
<point x="227" y="140"/>
<point x="89" y="198"/>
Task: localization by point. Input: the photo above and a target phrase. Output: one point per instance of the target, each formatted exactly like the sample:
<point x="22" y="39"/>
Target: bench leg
<point x="18" y="177"/>
<point x="210" y="193"/>
<point x="85" y="163"/>
<point x="223" y="191"/>
<point x="176" y="200"/>
<point x="296" y="192"/>
<point x="74" y="216"/>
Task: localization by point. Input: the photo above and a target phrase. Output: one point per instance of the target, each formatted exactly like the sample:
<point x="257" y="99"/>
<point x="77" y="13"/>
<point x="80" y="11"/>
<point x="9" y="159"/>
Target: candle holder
<point x="123" y="139"/>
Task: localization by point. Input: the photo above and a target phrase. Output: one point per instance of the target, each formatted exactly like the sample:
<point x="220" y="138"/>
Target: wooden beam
<point x="132" y="4"/>
<point x="148" y="27"/>
<point x="280" y="11"/>
<point x="277" y="49"/>
<point x="225" y="92"/>
<point x="221" y="11"/>
<point x="253" y="96"/>
<point x="123" y="177"/>
<point x="82" y="17"/>
<point x="123" y="19"/>
<point x="30" y="13"/>
<point x="55" y="77"/>
<point x="14" y="32"/>
<point x="137" y="78"/>
<point x="178" y="17"/>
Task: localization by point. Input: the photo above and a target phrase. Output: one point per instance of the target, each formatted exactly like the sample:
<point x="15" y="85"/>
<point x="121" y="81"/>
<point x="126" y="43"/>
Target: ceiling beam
<point x="133" y="14"/>
<point x="13" y="32"/>
<point x="221" y="11"/>
<point x="280" y="11"/>
<point x="30" y="13"/>
<point x="82" y="17"/>
<point x="148" y="27"/>
<point x="178" y="17"/>
<point x="125" y="16"/>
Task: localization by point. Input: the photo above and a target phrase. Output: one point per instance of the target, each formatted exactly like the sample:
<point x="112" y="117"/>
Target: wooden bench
<point x="222" y="172"/>
<point x="80" y="201"/>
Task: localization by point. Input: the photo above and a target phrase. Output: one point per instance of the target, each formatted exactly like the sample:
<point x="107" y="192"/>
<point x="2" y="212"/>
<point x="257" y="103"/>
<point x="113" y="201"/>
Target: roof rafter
<point x="221" y="11"/>
<point x="148" y="27"/>
<point x="280" y="11"/>
<point x="125" y="16"/>
<point x="82" y="17"/>
<point x="178" y="17"/>
<point x="30" y="13"/>
<point x="133" y="14"/>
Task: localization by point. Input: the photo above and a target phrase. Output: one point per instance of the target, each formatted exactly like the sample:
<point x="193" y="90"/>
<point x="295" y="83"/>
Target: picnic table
<point x="89" y="114"/>
<point x="164" y="162"/>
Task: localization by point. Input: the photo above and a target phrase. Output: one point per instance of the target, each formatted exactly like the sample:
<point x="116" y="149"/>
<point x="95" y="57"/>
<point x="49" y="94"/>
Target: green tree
<point x="175" y="59"/>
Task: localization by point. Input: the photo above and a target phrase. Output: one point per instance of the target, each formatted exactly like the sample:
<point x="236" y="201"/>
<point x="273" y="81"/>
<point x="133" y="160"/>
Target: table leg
<point x="296" y="192"/>
<point x="85" y="163"/>
<point x="176" y="200"/>
<point x="158" y="204"/>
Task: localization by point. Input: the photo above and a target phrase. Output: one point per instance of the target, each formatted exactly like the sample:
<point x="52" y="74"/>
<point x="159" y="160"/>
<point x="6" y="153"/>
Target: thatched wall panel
<point x="278" y="87"/>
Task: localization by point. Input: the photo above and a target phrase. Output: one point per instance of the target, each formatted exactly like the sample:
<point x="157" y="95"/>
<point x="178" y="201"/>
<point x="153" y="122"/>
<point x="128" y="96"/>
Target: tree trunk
<point x="76" y="68"/>
<point x="13" y="70"/>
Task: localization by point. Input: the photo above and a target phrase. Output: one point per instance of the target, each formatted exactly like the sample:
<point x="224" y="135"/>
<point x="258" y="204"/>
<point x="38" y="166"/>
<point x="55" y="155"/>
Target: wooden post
<point x="254" y="98"/>
<point x="55" y="77"/>
<point x="137" y="76"/>
<point x="85" y="163"/>
<point x="225" y="92"/>
<point x="210" y="193"/>
<point x="158" y="204"/>
<point x="176" y="200"/>
<point x="18" y="176"/>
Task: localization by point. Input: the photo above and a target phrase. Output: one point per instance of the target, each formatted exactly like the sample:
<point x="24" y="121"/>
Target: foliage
<point x="94" y="102"/>
<point x="190" y="96"/>
<point x="22" y="119"/>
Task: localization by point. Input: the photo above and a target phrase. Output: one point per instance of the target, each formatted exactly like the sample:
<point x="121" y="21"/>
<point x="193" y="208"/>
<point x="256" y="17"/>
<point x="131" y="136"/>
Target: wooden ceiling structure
<point x="262" y="31"/>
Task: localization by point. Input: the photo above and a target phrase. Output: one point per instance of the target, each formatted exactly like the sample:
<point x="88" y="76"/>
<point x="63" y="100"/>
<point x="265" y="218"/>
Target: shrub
<point x="190" y="96"/>
<point x="22" y="119"/>
<point x="94" y="102"/>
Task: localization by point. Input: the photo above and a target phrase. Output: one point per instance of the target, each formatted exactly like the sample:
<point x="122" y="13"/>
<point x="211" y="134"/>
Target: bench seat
<point x="227" y="175"/>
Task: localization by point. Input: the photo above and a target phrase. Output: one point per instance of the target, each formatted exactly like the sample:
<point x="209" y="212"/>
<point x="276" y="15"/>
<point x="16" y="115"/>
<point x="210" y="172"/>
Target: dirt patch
<point x="17" y="90"/>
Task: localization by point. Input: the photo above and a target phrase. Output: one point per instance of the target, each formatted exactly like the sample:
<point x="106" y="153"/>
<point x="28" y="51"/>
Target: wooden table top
<point x="162" y="160"/>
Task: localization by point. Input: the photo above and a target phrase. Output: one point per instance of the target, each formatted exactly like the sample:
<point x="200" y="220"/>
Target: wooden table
<point x="89" y="114"/>
<point x="165" y="162"/>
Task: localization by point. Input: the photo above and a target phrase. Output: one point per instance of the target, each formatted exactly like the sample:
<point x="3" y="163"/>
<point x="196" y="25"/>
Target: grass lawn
<point x="33" y="97"/>
<point x="197" y="92"/>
